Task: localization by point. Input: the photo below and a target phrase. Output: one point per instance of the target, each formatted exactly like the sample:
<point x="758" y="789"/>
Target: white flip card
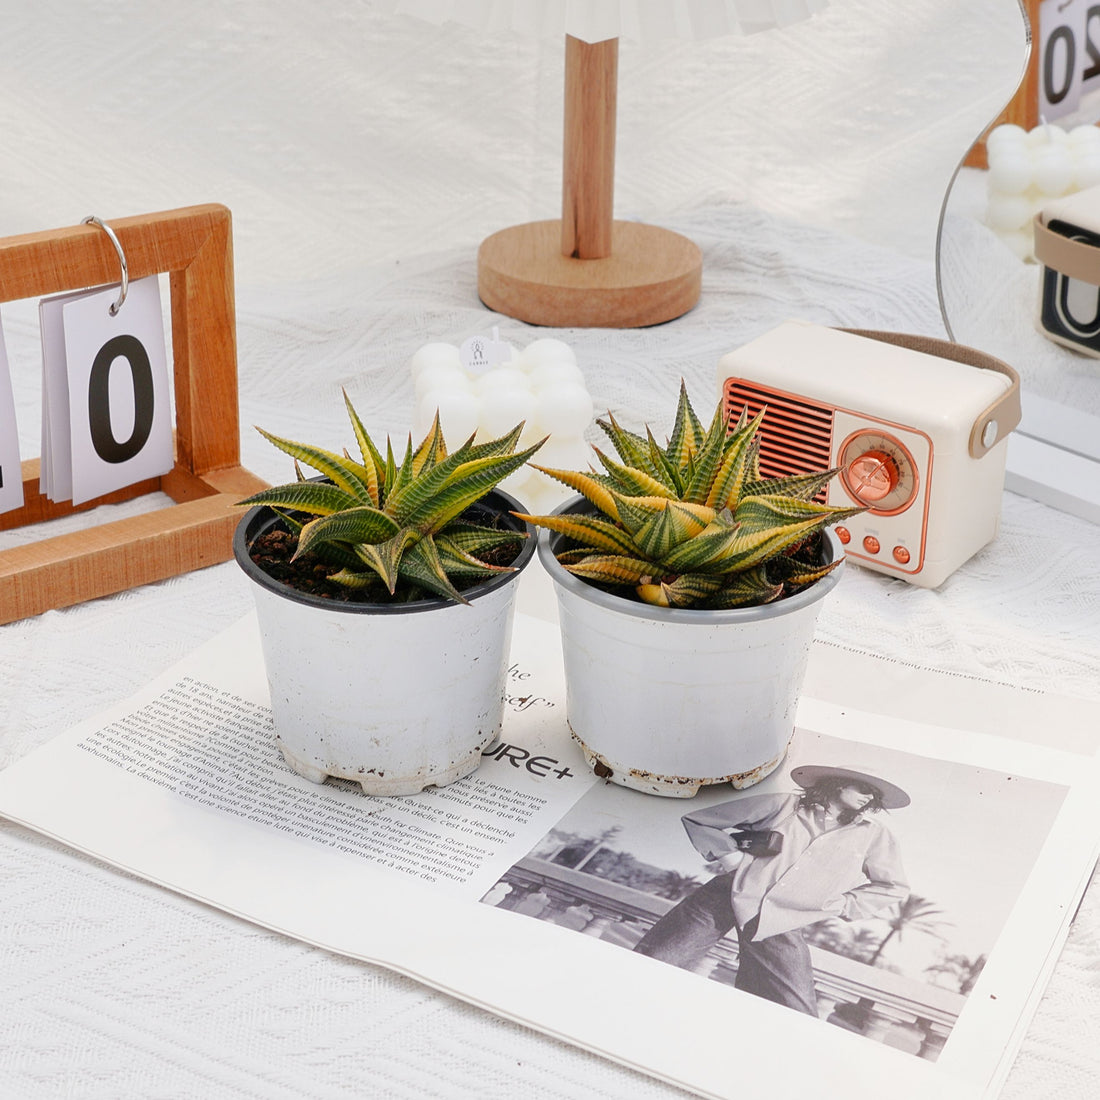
<point x="106" y="420"/>
<point x="11" y="476"/>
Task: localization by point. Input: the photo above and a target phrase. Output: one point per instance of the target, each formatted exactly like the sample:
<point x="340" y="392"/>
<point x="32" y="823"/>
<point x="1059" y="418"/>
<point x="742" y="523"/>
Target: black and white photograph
<point x="861" y="885"/>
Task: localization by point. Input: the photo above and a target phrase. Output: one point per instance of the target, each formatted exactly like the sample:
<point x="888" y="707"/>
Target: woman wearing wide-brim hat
<point x="785" y="861"/>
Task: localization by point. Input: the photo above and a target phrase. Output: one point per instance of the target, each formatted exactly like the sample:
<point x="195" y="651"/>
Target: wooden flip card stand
<point x="194" y="245"/>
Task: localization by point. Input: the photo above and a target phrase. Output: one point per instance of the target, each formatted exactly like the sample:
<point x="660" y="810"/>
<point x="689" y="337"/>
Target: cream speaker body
<point x="919" y="438"/>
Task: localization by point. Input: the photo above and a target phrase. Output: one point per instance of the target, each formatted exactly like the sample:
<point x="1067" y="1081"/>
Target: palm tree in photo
<point x="915" y="914"/>
<point x="961" y="969"/>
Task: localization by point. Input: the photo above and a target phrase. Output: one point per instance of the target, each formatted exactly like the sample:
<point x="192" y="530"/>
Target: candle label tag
<point x="106" y="421"/>
<point x="482" y="353"/>
<point x="11" y="475"/>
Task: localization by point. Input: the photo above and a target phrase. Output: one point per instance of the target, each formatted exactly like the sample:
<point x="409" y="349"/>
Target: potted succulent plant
<point x="688" y="586"/>
<point x="385" y="596"/>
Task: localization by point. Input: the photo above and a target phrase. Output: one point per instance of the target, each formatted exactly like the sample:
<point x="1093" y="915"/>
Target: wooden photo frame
<point x="194" y="245"/>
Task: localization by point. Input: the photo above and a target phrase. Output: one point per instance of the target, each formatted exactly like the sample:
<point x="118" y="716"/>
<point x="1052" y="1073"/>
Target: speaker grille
<point x="795" y="435"/>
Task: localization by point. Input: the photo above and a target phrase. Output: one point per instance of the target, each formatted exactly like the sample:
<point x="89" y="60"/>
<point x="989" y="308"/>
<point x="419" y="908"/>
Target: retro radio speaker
<point x="916" y="426"/>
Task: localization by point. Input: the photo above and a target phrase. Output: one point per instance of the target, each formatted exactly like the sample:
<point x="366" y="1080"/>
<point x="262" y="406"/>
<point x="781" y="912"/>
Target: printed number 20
<point x="106" y="445"/>
<point x="1065" y="36"/>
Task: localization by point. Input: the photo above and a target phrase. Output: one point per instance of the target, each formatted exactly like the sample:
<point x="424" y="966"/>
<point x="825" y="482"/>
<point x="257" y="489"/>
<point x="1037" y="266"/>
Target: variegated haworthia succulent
<point x="693" y="524"/>
<point x="390" y="524"/>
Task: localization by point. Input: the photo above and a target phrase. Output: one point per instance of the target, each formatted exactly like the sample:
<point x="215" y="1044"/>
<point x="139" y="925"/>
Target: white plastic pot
<point x="668" y="700"/>
<point x="396" y="697"/>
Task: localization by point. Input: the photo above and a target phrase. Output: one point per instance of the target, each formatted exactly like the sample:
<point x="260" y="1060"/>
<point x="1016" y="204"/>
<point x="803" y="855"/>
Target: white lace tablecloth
<point x="363" y="159"/>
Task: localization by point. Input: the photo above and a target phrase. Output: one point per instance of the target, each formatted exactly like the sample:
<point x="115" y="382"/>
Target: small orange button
<point x="844" y="535"/>
<point x="901" y="555"/>
<point x="871" y="544"/>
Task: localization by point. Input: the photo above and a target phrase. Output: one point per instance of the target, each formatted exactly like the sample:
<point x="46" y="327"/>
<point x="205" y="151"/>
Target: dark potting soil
<point x="272" y="552"/>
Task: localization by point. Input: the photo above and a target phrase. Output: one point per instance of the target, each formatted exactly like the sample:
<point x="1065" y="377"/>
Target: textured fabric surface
<point x="363" y="158"/>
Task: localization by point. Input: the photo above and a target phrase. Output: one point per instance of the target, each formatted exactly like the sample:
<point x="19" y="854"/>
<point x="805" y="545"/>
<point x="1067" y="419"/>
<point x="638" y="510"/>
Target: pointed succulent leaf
<point x="799" y="486"/>
<point x="324" y="462"/>
<point x="591" y="531"/>
<point x="632" y="448"/>
<point x="475" y="539"/>
<point x="405" y="474"/>
<point x="798" y="575"/>
<point x="460" y="563"/>
<point x="355" y="578"/>
<point x="354" y="525"/>
<point x="687" y="590"/>
<point x="432" y="449"/>
<point x="708" y="460"/>
<point x="710" y="552"/>
<point x="631" y="481"/>
<point x="383" y="557"/>
<point x="730" y="479"/>
<point x="466" y="485"/>
<point x="770" y="510"/>
<point x="304" y="496"/>
<point x="611" y="569"/>
<point x="372" y="459"/>
<point x="420" y="565"/>
<point x="687" y="432"/>
<point x="638" y="513"/>
<point x="751" y="587"/>
<point x="667" y="472"/>
<point x="597" y="490"/>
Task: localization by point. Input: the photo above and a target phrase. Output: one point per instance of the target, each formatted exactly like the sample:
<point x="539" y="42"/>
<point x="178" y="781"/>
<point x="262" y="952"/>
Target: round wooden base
<point x="652" y="275"/>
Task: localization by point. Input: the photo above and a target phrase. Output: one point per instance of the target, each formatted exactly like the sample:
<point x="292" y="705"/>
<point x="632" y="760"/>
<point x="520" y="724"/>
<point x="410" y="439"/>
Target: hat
<point x="893" y="798"/>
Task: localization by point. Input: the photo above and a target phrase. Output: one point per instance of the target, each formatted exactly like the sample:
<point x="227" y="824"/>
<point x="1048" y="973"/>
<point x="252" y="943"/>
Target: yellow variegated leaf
<point x="383" y="557"/>
<point x="324" y="462"/>
<point x="352" y="525"/>
<point x="591" y="488"/>
<point x="731" y="476"/>
<point x="611" y="569"/>
<point x="751" y="587"/>
<point x="629" y="446"/>
<point x="304" y="496"/>
<point x="708" y="460"/>
<point x="634" y="482"/>
<point x="421" y="566"/>
<point x="432" y="449"/>
<point x="374" y="467"/>
<point x="635" y="513"/>
<point x="592" y="531"/>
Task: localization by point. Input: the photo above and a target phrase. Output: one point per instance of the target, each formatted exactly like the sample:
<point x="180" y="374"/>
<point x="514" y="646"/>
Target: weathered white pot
<point x="396" y="697"/>
<point x="667" y="700"/>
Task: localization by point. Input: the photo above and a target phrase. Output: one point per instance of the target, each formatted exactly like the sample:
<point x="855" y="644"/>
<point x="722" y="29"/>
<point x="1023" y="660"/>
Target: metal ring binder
<point x="92" y="219"/>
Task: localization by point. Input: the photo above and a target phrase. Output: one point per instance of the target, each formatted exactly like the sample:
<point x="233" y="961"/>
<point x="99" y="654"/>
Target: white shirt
<point x="824" y="869"/>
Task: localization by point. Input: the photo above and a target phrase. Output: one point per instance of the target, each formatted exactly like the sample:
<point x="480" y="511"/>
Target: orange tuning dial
<point x="872" y="476"/>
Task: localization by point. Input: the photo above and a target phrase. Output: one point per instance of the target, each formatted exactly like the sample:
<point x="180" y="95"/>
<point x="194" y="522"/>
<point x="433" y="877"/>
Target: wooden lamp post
<point x="586" y="269"/>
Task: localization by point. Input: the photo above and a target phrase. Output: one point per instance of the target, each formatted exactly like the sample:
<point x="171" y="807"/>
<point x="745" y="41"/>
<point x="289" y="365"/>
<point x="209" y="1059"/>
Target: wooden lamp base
<point x="650" y="276"/>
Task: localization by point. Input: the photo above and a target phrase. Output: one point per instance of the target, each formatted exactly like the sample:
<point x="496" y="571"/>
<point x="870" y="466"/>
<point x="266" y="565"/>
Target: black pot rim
<point x="255" y="520"/>
<point x="548" y="540"/>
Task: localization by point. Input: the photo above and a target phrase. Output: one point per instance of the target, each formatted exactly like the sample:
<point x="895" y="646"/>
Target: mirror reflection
<point x="991" y="283"/>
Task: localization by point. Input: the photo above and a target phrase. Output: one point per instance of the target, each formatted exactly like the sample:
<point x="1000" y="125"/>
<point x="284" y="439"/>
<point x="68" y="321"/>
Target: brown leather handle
<point x="1074" y="259"/>
<point x="998" y="419"/>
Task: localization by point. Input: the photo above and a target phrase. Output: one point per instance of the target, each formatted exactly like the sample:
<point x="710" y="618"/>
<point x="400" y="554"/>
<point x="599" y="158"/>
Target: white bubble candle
<point x="489" y="389"/>
<point x="1027" y="168"/>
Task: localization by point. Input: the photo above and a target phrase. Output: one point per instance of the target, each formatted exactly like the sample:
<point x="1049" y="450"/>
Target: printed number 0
<point x="1059" y="34"/>
<point x="106" y="445"/>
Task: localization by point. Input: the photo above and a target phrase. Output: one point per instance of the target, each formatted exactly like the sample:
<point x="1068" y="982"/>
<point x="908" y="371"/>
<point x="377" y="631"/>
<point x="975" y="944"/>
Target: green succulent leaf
<point x="799" y="486"/>
<point x="355" y="525"/>
<point x="687" y="590"/>
<point x="421" y="565"/>
<point x="599" y="534"/>
<point x="729" y="479"/>
<point x="304" y="496"/>
<point x="324" y="462"/>
<point x="385" y="557"/>
<point x="687" y="432"/>
<point x="632" y="448"/>
<point x="597" y="490"/>
<point x="657" y="524"/>
<point x="632" y="482"/>
<point x="708" y="460"/>
<point x="611" y="569"/>
<point x="750" y="588"/>
<point x="372" y="459"/>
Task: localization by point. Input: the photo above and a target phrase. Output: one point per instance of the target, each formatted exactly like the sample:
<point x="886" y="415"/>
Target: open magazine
<point x="538" y="891"/>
